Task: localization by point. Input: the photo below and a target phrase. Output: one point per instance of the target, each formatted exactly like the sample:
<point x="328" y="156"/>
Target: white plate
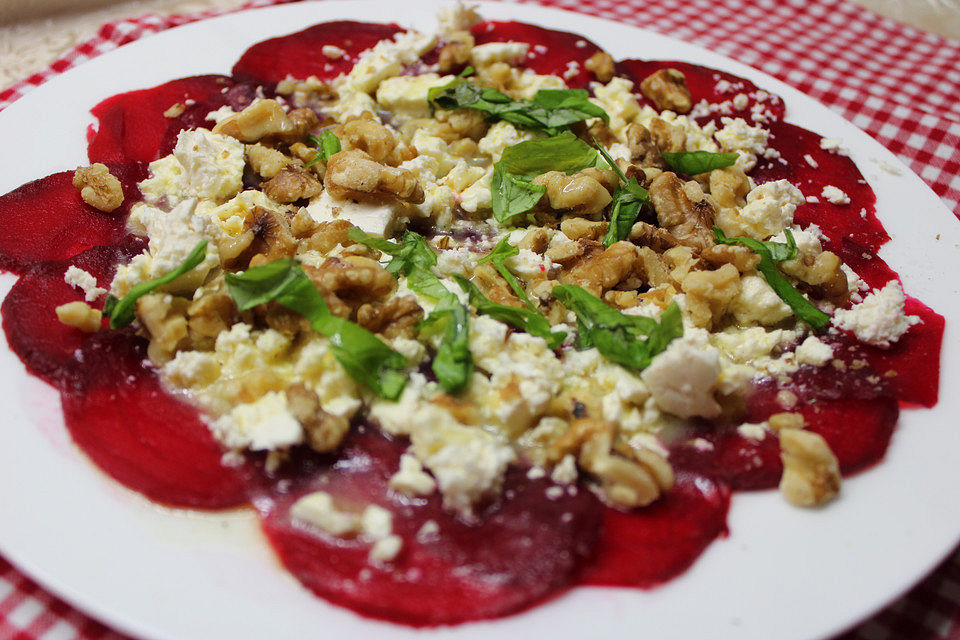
<point x="783" y="573"/>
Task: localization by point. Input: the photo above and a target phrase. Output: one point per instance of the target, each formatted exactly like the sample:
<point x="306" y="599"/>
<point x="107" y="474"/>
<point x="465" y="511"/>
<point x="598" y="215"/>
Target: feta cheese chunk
<point x="83" y="280"/>
<point x="814" y="352"/>
<point x="407" y="95"/>
<point x="769" y="210"/>
<point x="376" y="219"/>
<point x="835" y="195"/>
<point x="483" y="55"/>
<point x="683" y="379"/>
<point x="758" y="303"/>
<point x="738" y="137"/>
<point x="264" y="425"/>
<point x="317" y="509"/>
<point x="212" y="164"/>
<point x="411" y="480"/>
<point x="880" y="319"/>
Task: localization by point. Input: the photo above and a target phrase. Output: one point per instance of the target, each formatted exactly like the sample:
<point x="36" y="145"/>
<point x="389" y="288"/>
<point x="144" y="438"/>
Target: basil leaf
<point x="770" y="254"/>
<point x="512" y="196"/>
<point x="498" y="258"/>
<point x="565" y="152"/>
<point x="453" y="362"/>
<point x="524" y="319"/>
<point x="413" y="257"/>
<point x="550" y="111"/>
<point x="329" y="144"/>
<point x="631" y="341"/>
<point x="122" y="311"/>
<point x="364" y="357"/>
<point x="412" y="250"/>
<point x="694" y="162"/>
<point x="627" y="201"/>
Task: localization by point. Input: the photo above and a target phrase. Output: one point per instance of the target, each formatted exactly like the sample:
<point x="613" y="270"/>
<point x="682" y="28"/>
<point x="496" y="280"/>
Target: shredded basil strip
<point x="413" y="257"/>
<point x="550" y="111"/>
<point x="328" y="143"/>
<point x="627" y="201"/>
<point x="631" y="341"/>
<point x="498" y="257"/>
<point x="770" y="254"/>
<point x="365" y="357"/>
<point x="693" y="162"/>
<point x="524" y="319"/>
<point x="123" y="311"/>
<point x="512" y="193"/>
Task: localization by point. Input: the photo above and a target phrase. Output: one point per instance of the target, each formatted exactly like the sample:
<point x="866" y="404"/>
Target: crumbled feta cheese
<point x="212" y="164"/>
<point x="737" y="136"/>
<point x="385" y="549"/>
<point x="834" y="145"/>
<point x="192" y="369"/>
<point x="332" y="52"/>
<point x="317" y="509"/>
<point x="835" y="195"/>
<point x="682" y="379"/>
<point x="880" y="319"/>
<point x="83" y="280"/>
<point x="500" y="136"/>
<point x="407" y="95"/>
<point x="376" y="219"/>
<point x="750" y="431"/>
<point x="769" y="210"/>
<point x="566" y="471"/>
<point x="484" y="55"/>
<point x="758" y="303"/>
<point x="263" y="425"/>
<point x="617" y="99"/>
<point x="411" y="479"/>
<point x="813" y="352"/>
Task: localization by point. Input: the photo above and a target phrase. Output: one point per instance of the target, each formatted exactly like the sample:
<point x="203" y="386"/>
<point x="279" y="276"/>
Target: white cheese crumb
<point x="769" y="209"/>
<point x="376" y="522"/>
<point x="750" y="431"/>
<point x="83" y="280"/>
<point x="835" y="195"/>
<point x="749" y="142"/>
<point x="385" y="549"/>
<point x="509" y="52"/>
<point x="811" y="161"/>
<point x="411" y="479"/>
<point x="212" y="164"/>
<point x="834" y="145"/>
<point x="566" y="471"/>
<point x="264" y="425"/>
<point x="682" y="379"/>
<point x="758" y="303"/>
<point x="880" y="319"/>
<point x="429" y="532"/>
<point x="535" y="473"/>
<point x="332" y="52"/>
<point x="813" y="352"/>
<point x="317" y="509"/>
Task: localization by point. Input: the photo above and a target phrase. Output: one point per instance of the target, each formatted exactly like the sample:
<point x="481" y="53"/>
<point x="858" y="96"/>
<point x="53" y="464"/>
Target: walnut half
<point x="667" y="89"/>
<point x="98" y="187"/>
<point x="811" y="474"/>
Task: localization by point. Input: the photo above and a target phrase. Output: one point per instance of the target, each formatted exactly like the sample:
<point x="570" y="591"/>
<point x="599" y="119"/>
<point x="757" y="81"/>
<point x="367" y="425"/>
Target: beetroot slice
<point x="48" y="220"/>
<point x="551" y="52"/>
<point x="521" y="552"/>
<point x="131" y="126"/>
<point x="119" y="415"/>
<point x="44" y="344"/>
<point x="717" y="88"/>
<point x="645" y="547"/>
<point x="856" y="221"/>
<point x="300" y="55"/>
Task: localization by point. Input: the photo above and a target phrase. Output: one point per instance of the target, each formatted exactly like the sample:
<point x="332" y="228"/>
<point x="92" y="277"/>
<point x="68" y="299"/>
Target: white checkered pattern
<point x="899" y="84"/>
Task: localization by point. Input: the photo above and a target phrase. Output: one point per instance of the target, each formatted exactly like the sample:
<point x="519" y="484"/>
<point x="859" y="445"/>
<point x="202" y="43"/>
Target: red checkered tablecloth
<point x="899" y="84"/>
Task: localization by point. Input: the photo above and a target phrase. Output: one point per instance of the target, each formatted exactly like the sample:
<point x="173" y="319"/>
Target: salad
<point x="467" y="317"/>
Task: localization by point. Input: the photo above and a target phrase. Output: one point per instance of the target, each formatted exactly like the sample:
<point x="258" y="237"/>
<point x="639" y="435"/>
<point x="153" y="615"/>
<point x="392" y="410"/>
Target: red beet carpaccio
<point x="468" y="318"/>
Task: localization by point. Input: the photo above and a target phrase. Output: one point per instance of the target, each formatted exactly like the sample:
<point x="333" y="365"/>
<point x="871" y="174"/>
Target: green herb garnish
<point x="328" y="143"/>
<point x="631" y="341"/>
<point x="627" y="201"/>
<point x="693" y="162"/>
<point x="522" y="318"/>
<point x="770" y="254"/>
<point x="413" y="257"/>
<point x="550" y="111"/>
<point x="123" y="310"/>
<point x="365" y="357"/>
<point x="512" y="192"/>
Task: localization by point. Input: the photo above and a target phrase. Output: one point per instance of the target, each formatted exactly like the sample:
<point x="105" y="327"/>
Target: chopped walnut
<point x="456" y="52"/>
<point x="324" y="431"/>
<point x="210" y="314"/>
<point x="742" y="258"/>
<point x="811" y="474"/>
<point x="80" y="315"/>
<point x="683" y="210"/>
<point x="98" y="187"/>
<point x="667" y="89"/>
<point x="647" y="235"/>
<point x="823" y="273"/>
<point x="494" y="286"/>
<point x="602" y="65"/>
<point x="580" y="193"/>
<point x="327" y="235"/>
<point x="164" y="318"/>
<point x="265" y="161"/>
<point x="461" y="123"/>
<point x="581" y="228"/>
<point x="364" y="133"/>
<point x="292" y="184"/>
<point x="350" y="282"/>
<point x="354" y="175"/>
<point x="729" y="187"/>
<point x="652" y="268"/>
<point x="396" y="317"/>
<point x="643" y="148"/>
<point x="786" y="420"/>
<point x="304" y="121"/>
<point x="272" y="237"/>
<point x="262" y="119"/>
<point x="668" y="137"/>
<point x="175" y="110"/>
<point x="535" y="240"/>
<point x="604" y="270"/>
<point x="622" y="299"/>
<point x="709" y="294"/>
